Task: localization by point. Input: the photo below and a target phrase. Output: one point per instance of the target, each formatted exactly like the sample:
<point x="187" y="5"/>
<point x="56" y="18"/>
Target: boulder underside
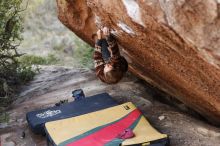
<point x="173" y="45"/>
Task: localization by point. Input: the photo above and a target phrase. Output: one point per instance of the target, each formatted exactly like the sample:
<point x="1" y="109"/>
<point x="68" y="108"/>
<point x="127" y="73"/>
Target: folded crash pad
<point x="101" y="128"/>
<point x="37" y="119"/>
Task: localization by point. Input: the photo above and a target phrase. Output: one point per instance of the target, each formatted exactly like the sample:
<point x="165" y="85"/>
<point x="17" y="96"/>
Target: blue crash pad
<point x="37" y="119"/>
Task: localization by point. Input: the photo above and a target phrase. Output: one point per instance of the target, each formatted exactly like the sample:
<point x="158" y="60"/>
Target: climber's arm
<point x="113" y="46"/>
<point x="98" y="59"/>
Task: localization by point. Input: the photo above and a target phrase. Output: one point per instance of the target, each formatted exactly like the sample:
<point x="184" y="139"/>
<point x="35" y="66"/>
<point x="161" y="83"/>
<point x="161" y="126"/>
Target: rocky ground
<point x="56" y="83"/>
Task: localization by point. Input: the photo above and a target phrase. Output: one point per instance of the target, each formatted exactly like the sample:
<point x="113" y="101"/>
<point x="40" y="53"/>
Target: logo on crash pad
<point x="48" y="113"/>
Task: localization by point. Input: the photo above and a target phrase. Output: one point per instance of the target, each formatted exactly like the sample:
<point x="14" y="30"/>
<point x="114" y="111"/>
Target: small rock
<point x="209" y="133"/>
<point x="161" y="118"/>
<point x="203" y="131"/>
<point x="21" y="121"/>
<point x="214" y="134"/>
<point x="23" y="135"/>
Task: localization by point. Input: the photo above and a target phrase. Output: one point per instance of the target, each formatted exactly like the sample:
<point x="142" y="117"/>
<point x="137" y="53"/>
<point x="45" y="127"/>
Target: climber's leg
<point x="105" y="52"/>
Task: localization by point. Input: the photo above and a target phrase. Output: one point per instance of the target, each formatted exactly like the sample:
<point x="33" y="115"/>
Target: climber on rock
<point x="110" y="66"/>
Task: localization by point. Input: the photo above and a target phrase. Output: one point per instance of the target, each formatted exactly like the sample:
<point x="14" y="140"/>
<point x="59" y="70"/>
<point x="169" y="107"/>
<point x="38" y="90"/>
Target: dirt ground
<point x="56" y="83"/>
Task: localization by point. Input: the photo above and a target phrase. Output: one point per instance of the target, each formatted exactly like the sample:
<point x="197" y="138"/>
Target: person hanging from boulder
<point x="110" y="66"/>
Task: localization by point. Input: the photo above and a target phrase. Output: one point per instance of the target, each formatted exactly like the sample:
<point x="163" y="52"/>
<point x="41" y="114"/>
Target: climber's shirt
<point x="100" y="58"/>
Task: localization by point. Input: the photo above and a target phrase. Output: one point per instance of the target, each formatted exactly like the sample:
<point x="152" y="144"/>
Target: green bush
<point x="26" y="73"/>
<point x="4" y="117"/>
<point x="12" y="73"/>
<point x="10" y="29"/>
<point x="29" y="60"/>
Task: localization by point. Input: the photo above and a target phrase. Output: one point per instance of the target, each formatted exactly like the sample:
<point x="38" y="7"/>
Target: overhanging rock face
<point x="174" y="45"/>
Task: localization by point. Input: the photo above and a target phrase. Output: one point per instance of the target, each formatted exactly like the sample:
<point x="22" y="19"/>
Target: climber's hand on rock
<point x="99" y="34"/>
<point x="106" y="31"/>
<point x="110" y="51"/>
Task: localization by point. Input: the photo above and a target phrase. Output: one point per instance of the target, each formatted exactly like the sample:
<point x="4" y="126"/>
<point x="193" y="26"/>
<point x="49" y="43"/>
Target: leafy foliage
<point x="16" y="68"/>
<point x="29" y="60"/>
<point x="12" y="73"/>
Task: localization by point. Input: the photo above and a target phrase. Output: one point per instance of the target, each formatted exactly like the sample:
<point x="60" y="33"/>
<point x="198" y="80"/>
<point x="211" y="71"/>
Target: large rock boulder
<point x="174" y="45"/>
